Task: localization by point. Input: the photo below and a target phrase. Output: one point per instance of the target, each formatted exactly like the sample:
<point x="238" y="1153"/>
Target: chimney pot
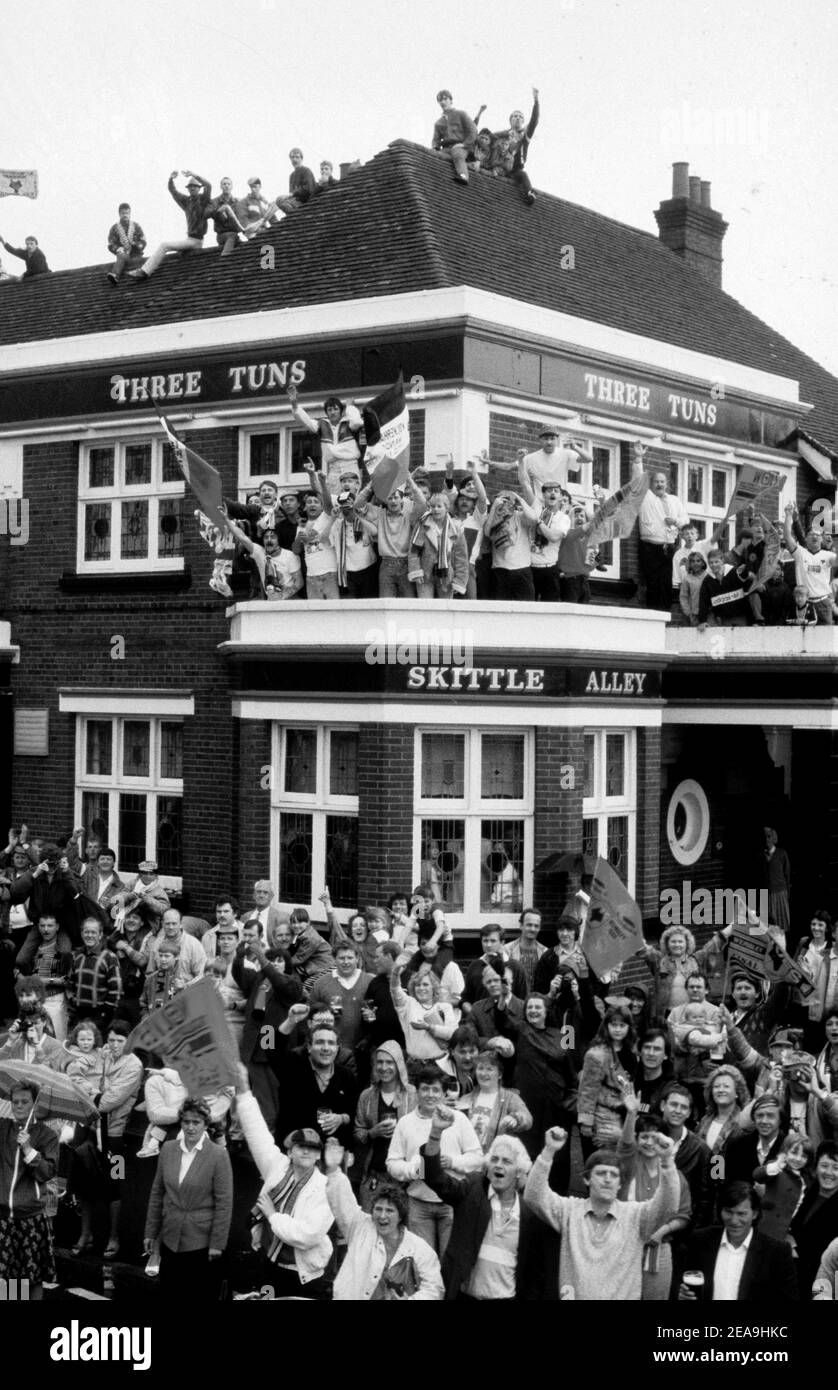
<point x="680" y="180"/>
<point x="705" y="194"/>
<point x="695" y="188"/>
<point x="349" y="166"/>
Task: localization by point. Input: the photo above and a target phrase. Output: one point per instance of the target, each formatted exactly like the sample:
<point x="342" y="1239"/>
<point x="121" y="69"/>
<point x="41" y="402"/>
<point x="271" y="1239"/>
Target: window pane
<point x="301" y="761"/>
<point x="700" y="526"/>
<point x="502" y="767"/>
<point x="94" y="814"/>
<point x="343" y="764"/>
<point x="719" y="495"/>
<point x="99" y="747"/>
<point x="97" y="531"/>
<point x="100" y="468"/>
<point x="136" y="746"/>
<point x="590" y="838"/>
<point x="169" y="840"/>
<point x="170" y="528"/>
<point x="501" y="865"/>
<point x="301" y="446"/>
<point x="138" y="465"/>
<point x="617" y="847"/>
<point x="615" y="765"/>
<point x="674" y="467"/>
<point x="601" y="469"/>
<point x="171" y="751"/>
<point x="134" y="542"/>
<point x="342" y="860"/>
<point x="264" y="453"/>
<point x="588" y="775"/>
<point x="443" y="765"/>
<point x="443" y="860"/>
<point x="695" y="481"/>
<point x="295" y="858"/>
<point x="171" y="469"/>
<point x="132" y="828"/>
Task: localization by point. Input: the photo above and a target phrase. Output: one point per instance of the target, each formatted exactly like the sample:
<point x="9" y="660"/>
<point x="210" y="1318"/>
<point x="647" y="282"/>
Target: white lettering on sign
<point x="254" y="377"/>
<point x="690" y="410"/>
<point x="616" y="683"/>
<point x="516" y="680"/>
<point x="615" y="391"/>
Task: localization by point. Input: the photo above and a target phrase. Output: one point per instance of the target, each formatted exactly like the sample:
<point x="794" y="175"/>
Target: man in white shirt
<point x="191" y="961"/>
<point x="558" y="456"/>
<point x="737" y="1263"/>
<point x="660" y="519"/>
<point x="428" y="1216"/>
<point x="813" y="567"/>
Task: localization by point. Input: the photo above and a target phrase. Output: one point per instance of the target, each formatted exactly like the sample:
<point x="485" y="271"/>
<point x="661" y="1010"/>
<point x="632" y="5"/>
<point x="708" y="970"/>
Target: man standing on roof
<point x="455" y="134"/>
<point x="196" y="206"/>
<point x="510" y="148"/>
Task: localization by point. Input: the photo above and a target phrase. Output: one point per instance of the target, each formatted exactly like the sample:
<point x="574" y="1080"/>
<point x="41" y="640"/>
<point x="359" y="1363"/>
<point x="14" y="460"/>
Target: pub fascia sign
<point x="251" y="378"/>
<point x="517" y="680"/>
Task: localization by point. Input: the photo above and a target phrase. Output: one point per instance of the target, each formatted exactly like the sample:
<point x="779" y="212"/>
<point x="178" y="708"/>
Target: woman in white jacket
<point x="292" y="1212"/>
<point x="385" y="1262"/>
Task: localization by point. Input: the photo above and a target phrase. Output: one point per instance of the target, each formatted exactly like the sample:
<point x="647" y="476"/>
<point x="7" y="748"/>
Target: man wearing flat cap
<point x="558" y="456"/>
<point x="195" y="204"/>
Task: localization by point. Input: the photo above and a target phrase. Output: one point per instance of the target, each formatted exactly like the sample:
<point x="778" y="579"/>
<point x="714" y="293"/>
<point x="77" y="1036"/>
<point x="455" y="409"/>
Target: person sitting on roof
<point x="511" y="147"/>
<point x="126" y="241"/>
<point x="454" y="134"/>
<point x="223" y="212"/>
<point x="337" y="432"/>
<point x="301" y="185"/>
<point x="327" y="177"/>
<point x="252" y="210"/>
<point x="196" y="205"/>
<point x="30" y="252"/>
<point x="482" y="155"/>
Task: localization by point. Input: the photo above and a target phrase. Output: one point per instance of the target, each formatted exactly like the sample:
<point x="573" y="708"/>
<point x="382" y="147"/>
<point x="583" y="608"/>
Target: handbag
<point x="401" y="1278"/>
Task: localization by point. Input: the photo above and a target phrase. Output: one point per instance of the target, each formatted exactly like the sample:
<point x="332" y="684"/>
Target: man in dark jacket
<point x="692" y="1156"/>
<point x="454" y="134"/>
<point x="510" y="149"/>
<point x="196" y="206"/>
<point x="30" y="252"/>
<point x="498" y="1250"/>
<point x="270" y="987"/>
<point x="752" y="1149"/>
<point x="52" y="891"/>
<point x="736" y="1261"/>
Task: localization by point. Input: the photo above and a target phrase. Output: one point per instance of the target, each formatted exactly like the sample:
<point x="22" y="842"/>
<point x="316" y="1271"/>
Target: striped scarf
<point x="126" y="235"/>
<point x="284" y="1198"/>
<point x="443" y="536"/>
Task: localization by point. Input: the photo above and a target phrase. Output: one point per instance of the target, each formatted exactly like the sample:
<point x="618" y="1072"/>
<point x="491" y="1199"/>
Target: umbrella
<point x="59" y="1097"/>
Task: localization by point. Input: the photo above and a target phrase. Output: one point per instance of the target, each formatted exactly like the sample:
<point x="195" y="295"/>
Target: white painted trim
<point x="126" y="705"/>
<point x="784" y="717"/>
<point x="821" y="462"/>
<point x="313" y="322"/>
<point x="363" y="710"/>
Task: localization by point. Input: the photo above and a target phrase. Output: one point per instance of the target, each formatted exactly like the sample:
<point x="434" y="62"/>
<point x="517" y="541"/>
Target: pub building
<point x="371" y="745"/>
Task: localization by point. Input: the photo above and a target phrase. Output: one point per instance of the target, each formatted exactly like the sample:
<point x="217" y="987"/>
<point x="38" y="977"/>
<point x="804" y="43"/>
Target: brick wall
<point x="647" y="875"/>
<point x="251" y="807"/>
<point x="170" y="641"/>
<point x="558" y="814"/>
<point x="385" y="810"/>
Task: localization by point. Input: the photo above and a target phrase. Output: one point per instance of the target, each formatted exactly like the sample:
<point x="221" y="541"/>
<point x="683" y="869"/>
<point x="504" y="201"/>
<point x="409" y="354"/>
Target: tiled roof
<point x="400" y="224"/>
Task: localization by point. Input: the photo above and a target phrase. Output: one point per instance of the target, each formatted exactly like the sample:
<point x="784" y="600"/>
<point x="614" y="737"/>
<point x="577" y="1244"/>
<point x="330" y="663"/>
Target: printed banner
<point x="190" y="1033"/>
<point x="757" y="486"/>
<point x="18" y="183"/>
<point x="615" y="517"/>
<point x="754" y="951"/>
<point x="614" y="927"/>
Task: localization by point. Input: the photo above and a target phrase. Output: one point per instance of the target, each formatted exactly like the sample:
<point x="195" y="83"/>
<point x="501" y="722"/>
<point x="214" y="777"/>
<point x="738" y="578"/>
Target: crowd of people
<point x="411" y="1116"/>
<point x="237" y="220"/>
<point x="535" y="540"/>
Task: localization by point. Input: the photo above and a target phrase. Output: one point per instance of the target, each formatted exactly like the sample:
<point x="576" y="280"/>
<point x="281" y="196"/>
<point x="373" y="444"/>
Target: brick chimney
<point x="688" y="225"/>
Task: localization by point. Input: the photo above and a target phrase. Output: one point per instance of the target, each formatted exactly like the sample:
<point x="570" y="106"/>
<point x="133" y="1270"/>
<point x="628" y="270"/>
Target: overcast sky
<point x="105" y="100"/>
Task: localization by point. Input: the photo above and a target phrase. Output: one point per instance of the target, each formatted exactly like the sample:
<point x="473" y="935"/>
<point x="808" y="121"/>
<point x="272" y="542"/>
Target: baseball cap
<point x="251" y="182"/>
<point x="147" y="866"/>
<point x="548" y="431"/>
<point x="194" y="183"/>
<point x="304" y="1139"/>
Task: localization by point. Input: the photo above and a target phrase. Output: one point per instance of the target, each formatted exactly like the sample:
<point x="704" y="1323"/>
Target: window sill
<point x="138" y="581"/>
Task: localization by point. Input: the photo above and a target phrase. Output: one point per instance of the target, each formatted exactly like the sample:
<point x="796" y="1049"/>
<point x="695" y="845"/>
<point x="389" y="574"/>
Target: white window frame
<point x="472" y="809"/>
<point x="318" y="805"/>
<point x="118" y="493"/>
<point x="584" y="481"/>
<point x="705" y="511"/>
<point x="248" y="482"/>
<point x="600" y="807"/>
<point x="118" y="783"/>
